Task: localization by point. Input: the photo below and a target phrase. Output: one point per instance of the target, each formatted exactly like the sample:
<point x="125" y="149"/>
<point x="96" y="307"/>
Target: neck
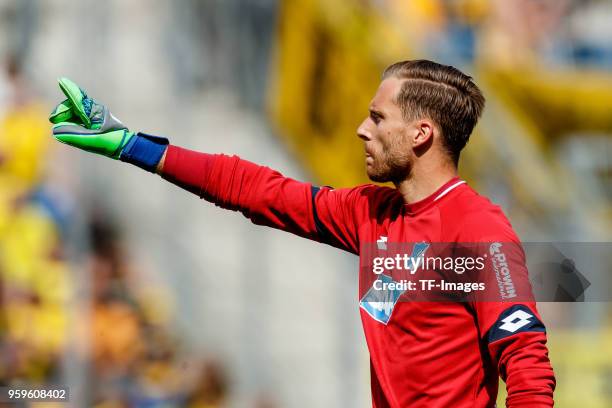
<point x="424" y="180"/>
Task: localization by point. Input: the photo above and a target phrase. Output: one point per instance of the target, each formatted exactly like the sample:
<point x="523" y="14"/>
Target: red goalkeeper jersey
<point x="422" y="353"/>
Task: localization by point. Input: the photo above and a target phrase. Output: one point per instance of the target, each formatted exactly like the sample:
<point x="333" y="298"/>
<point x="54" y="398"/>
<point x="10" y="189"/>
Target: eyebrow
<point x="376" y="111"/>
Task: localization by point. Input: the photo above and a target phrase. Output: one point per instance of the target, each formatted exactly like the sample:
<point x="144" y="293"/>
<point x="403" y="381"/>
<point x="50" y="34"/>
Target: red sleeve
<point x="508" y="320"/>
<point x="267" y="197"/>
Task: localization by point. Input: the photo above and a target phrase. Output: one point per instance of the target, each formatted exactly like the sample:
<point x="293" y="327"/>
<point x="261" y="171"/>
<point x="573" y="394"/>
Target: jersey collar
<point x="446" y="188"/>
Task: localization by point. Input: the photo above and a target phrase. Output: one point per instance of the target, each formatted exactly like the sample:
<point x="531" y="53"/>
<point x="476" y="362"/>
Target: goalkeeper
<point x="422" y="354"/>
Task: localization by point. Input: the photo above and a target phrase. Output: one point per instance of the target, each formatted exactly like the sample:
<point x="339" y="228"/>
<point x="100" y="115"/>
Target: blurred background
<point x="136" y="294"/>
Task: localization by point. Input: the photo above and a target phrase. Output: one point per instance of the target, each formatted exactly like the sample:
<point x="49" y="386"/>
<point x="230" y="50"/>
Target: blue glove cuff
<point x="144" y="151"/>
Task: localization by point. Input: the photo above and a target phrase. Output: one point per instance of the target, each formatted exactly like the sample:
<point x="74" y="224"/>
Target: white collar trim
<point x="449" y="189"/>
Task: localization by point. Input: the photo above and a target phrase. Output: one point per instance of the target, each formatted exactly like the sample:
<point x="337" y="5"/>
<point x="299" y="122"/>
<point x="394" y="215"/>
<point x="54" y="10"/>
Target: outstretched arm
<point x="265" y="196"/>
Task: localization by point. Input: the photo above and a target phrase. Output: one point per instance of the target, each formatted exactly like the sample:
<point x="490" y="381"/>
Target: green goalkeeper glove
<point x="82" y="122"/>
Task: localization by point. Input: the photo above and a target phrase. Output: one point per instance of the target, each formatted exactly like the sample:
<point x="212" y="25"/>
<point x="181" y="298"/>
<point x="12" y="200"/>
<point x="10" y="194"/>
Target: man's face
<point x="386" y="136"/>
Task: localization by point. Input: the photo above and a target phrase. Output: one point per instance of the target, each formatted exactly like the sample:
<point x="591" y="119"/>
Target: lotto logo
<point x="518" y="319"/>
<point x="515" y="321"/>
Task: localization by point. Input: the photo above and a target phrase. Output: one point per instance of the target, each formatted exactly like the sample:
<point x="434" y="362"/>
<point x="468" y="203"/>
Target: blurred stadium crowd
<point x="543" y="153"/>
<point x="519" y="33"/>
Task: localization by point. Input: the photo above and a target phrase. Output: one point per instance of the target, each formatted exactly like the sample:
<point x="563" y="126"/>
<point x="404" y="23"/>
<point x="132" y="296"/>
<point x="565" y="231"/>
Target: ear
<point x="424" y="130"/>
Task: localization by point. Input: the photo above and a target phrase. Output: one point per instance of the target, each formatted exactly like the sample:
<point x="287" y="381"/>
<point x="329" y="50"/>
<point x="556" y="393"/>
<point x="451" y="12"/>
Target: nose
<point x="363" y="133"/>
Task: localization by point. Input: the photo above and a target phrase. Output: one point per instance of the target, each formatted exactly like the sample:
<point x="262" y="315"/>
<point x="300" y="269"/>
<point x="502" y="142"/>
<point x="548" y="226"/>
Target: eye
<point x="376" y="117"/>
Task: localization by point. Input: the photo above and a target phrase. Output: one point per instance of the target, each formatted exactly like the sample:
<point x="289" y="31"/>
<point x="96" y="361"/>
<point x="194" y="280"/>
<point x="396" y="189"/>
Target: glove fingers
<point x="81" y="103"/>
<point x="63" y="113"/>
<point x="108" y="144"/>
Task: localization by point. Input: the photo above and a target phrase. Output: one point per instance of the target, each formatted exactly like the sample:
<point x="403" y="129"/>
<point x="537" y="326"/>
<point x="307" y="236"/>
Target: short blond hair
<point x="441" y="93"/>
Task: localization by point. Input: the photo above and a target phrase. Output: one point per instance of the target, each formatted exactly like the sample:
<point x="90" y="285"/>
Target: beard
<point x="389" y="167"/>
